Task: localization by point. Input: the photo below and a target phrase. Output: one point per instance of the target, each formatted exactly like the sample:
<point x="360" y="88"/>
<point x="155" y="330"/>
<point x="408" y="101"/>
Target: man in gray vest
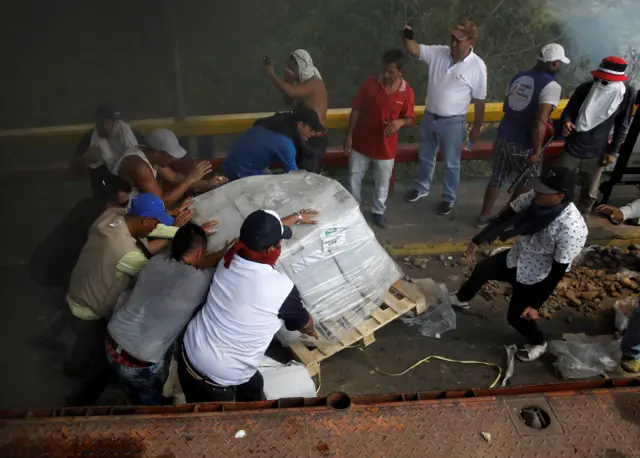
<point x="168" y="291"/>
<point x="115" y="252"/>
<point x="533" y="94"/>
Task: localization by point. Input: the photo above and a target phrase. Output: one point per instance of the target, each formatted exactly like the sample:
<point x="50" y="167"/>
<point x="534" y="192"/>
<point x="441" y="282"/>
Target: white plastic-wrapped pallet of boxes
<point x="340" y="269"/>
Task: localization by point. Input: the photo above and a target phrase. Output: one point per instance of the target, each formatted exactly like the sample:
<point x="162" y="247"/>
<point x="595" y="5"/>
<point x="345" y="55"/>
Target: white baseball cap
<point x="553" y="52"/>
<point x="165" y="140"/>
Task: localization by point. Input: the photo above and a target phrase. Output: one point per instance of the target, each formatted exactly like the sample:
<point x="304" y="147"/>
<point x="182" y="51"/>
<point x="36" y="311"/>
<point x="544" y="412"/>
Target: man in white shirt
<point x="101" y="147"/>
<point x="552" y="233"/>
<point x="532" y="95"/>
<point x="457" y="76"/>
<point x="247" y="304"/>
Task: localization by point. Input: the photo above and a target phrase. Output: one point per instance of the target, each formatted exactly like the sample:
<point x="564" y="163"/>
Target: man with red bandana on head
<point x="248" y="302"/>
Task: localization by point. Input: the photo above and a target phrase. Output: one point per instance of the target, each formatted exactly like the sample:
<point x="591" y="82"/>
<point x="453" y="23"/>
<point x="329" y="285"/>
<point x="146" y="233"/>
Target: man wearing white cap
<point x="141" y="166"/>
<point x="596" y="107"/>
<point x="532" y="95"/>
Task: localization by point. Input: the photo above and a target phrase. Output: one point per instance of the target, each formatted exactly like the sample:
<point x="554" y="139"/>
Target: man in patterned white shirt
<point x="552" y="233"/>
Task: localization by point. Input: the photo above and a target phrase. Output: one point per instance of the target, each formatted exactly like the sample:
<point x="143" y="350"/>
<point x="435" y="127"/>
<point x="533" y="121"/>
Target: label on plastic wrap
<point x="307" y="261"/>
<point x="332" y="238"/>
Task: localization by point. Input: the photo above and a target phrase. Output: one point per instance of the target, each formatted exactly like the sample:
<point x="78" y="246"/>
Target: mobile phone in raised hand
<point x="266" y="60"/>
<point x="408" y="34"/>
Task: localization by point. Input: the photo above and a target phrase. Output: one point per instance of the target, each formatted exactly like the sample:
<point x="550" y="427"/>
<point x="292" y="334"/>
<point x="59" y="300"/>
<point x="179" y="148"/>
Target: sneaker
<point x="531" y="352"/>
<point x="482" y="222"/>
<point x="455" y="302"/>
<point x="630" y="365"/>
<point x="380" y="220"/>
<point x="415" y="195"/>
<point x="445" y="208"/>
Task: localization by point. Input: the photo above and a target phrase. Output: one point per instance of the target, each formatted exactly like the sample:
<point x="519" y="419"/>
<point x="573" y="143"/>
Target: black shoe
<point x="380" y="220"/>
<point x="414" y="195"/>
<point x="445" y="208"/>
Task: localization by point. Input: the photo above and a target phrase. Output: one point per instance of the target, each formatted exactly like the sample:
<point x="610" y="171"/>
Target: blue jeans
<point x="143" y="384"/>
<point x="631" y="340"/>
<point x="448" y="134"/>
<point x="382" y="170"/>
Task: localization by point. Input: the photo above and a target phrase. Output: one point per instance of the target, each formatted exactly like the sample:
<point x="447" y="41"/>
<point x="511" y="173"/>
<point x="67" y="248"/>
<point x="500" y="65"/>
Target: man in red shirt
<point x="383" y="106"/>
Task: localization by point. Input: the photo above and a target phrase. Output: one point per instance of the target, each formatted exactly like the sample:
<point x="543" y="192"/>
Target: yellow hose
<point x="423" y="360"/>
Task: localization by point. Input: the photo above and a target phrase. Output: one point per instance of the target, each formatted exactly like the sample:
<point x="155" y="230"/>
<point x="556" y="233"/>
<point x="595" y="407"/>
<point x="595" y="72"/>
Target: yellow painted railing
<point x="337" y="118"/>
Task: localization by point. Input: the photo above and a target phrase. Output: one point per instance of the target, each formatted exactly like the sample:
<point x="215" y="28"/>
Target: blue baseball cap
<point x="262" y="229"/>
<point x="150" y="206"/>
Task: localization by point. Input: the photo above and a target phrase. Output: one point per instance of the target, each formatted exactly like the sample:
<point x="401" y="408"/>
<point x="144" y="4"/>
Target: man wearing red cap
<point x="457" y="77"/>
<point x="594" y="109"/>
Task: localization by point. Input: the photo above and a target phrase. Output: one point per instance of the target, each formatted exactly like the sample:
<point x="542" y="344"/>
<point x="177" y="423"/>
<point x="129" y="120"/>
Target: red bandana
<point x="269" y="257"/>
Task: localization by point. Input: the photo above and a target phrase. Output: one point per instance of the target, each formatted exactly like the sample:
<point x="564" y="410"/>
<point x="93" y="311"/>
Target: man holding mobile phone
<point x="457" y="77"/>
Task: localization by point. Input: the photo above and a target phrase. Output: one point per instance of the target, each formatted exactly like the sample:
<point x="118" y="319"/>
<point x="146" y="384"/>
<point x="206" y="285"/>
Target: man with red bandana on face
<point x="246" y="305"/>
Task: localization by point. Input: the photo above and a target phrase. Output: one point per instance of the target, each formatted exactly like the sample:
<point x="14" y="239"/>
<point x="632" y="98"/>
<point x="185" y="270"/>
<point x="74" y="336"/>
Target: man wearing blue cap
<point x="115" y="252"/>
<point x="101" y="147"/>
<point x="248" y="302"/>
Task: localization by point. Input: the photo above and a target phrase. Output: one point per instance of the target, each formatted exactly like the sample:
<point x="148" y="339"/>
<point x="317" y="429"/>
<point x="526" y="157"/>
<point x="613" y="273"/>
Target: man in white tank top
<point x="141" y="166"/>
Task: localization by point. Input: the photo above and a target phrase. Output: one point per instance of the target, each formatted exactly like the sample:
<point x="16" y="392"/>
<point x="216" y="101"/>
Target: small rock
<point x="445" y="264"/>
<point x="486" y="436"/>
<point x="450" y="258"/>
<point x="441" y="257"/>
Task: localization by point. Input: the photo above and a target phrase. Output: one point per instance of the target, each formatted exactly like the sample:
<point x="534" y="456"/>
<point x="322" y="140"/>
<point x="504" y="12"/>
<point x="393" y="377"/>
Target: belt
<point x="442" y="117"/>
<point x="196" y="374"/>
<point x="125" y="355"/>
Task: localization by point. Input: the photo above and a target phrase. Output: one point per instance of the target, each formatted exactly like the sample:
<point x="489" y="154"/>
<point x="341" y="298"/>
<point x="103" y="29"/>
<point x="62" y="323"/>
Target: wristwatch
<point x="299" y="217"/>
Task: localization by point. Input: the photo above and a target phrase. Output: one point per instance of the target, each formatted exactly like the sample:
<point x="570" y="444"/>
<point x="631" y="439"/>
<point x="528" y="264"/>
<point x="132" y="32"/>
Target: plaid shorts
<point x="510" y="159"/>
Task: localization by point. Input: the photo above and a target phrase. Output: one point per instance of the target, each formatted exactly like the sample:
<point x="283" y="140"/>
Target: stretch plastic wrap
<point x="340" y="269"/>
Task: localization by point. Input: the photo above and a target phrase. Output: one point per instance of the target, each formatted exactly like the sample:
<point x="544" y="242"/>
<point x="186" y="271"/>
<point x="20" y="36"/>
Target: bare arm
<point x="539" y="128"/>
<point x="201" y="169"/>
<point x="157" y="245"/>
<point x="353" y="120"/>
<point x="211" y="260"/>
<point x="479" y="106"/>
<point x="304" y="216"/>
<point x="174" y="177"/>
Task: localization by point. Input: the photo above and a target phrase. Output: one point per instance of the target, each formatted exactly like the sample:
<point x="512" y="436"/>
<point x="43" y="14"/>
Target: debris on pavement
<point x="486" y="436"/>
<point x="439" y="316"/>
<point x="580" y="356"/>
<point x="511" y="354"/>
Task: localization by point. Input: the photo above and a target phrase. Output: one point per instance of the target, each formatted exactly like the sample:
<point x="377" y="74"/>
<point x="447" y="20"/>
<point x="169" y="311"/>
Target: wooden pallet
<point x="401" y="298"/>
